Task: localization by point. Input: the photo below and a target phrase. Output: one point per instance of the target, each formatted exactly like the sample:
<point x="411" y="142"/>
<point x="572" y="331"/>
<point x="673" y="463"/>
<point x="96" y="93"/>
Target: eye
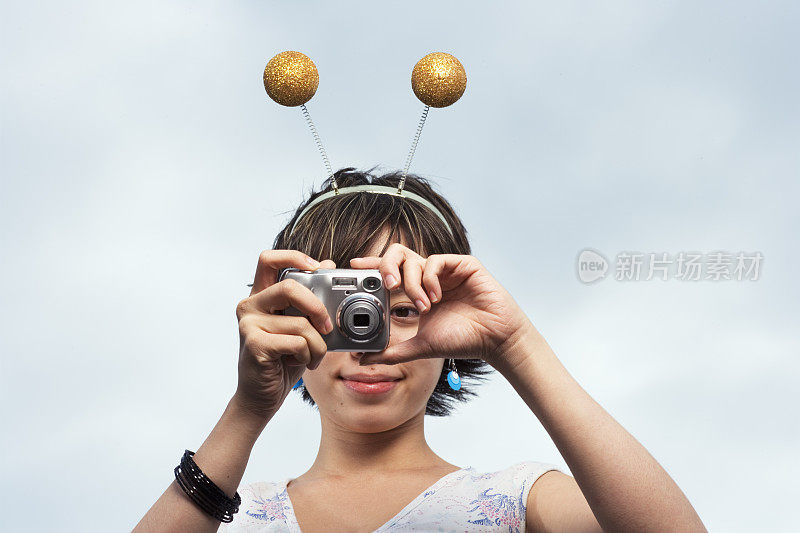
<point x="405" y="313"/>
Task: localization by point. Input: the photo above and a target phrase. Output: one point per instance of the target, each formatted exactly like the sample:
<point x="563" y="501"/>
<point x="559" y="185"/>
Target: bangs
<point x="347" y="227"/>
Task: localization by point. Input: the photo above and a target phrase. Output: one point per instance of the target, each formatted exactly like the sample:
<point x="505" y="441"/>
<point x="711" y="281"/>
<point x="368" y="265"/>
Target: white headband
<point x="378" y="189"/>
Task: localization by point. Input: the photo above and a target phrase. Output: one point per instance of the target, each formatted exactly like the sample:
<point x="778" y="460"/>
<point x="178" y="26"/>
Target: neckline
<point x="295" y="525"/>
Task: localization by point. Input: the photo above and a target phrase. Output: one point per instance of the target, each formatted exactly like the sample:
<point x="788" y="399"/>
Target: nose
<point x="357" y="357"/>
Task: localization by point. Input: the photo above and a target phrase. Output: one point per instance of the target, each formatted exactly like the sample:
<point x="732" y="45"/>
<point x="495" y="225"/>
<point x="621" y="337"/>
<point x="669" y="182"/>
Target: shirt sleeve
<point x="525" y="475"/>
<point x="529" y="471"/>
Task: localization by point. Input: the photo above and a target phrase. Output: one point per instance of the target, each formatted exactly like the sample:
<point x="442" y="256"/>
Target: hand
<point x="275" y="349"/>
<point x="464" y="312"/>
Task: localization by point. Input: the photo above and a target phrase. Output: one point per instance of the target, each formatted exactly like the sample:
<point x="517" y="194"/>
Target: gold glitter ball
<point x="291" y="78"/>
<point x="438" y="79"/>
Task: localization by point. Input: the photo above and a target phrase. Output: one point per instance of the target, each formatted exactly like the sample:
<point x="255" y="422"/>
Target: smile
<point x="377" y="387"/>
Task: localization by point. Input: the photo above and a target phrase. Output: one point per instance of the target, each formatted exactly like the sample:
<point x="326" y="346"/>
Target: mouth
<point x="370" y="384"/>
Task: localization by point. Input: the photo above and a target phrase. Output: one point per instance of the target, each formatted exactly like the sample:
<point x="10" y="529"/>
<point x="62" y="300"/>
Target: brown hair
<point x="343" y="227"/>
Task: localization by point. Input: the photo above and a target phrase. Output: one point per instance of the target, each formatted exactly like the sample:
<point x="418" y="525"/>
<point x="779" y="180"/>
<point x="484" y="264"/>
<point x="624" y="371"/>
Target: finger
<point x="271" y="261"/>
<point x="293" y="348"/>
<point x="410" y="350"/>
<point x="434" y="264"/>
<point x="387" y="269"/>
<point x="300" y="326"/>
<point x="327" y="263"/>
<point x="390" y="265"/>
<point x="316" y="343"/>
<point x="450" y="270"/>
<point x="413" y="266"/>
<point x="372" y="261"/>
<point x="274" y="346"/>
<point x="292" y="293"/>
<point x="412" y="283"/>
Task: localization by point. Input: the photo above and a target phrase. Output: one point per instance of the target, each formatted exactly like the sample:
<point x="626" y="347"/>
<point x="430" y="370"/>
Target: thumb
<point x="413" y="348"/>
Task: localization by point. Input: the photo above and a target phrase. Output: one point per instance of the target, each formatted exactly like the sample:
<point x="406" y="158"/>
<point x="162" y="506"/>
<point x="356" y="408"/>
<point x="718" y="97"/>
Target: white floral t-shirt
<point x="462" y="501"/>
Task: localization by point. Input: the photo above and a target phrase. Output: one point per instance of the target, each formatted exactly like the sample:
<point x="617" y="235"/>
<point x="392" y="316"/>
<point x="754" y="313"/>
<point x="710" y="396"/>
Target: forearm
<point x="624" y="485"/>
<point x="223" y="458"/>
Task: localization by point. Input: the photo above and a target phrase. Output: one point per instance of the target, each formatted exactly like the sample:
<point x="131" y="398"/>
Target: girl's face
<point x="370" y="413"/>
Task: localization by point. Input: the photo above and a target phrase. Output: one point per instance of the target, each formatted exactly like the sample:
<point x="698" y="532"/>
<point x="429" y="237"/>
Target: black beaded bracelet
<point x="204" y="492"/>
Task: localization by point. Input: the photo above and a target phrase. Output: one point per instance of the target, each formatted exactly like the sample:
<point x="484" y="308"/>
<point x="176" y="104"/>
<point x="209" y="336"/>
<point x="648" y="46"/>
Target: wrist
<point x="524" y="345"/>
<point x="245" y="417"/>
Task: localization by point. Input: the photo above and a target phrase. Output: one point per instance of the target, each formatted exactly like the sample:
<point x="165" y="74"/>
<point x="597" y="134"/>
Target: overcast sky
<point x="144" y="169"/>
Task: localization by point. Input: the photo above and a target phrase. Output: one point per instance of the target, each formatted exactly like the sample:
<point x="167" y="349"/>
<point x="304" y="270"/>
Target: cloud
<point x="144" y="169"/>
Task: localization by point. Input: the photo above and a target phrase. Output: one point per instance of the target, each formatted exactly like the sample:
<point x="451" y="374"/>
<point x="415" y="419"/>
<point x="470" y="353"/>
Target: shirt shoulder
<point x="519" y="476"/>
<point x="498" y="500"/>
<point x="264" y="508"/>
<point x="526" y="473"/>
<point x="475" y="501"/>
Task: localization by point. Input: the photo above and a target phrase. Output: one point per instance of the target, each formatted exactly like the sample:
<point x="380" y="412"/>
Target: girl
<point x="374" y="471"/>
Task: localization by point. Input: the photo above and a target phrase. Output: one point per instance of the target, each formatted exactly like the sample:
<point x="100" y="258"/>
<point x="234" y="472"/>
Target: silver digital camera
<point x="357" y="302"/>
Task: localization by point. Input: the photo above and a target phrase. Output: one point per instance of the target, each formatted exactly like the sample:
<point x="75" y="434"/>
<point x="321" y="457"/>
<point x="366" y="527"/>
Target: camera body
<point x="357" y="302"/>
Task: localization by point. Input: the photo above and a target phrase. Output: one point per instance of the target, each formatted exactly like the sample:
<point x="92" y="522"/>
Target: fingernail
<point x="390" y="281"/>
<point x="434" y="299"/>
<point x="420" y="305"/>
<point x="313" y="263"/>
<point x="328" y="325"/>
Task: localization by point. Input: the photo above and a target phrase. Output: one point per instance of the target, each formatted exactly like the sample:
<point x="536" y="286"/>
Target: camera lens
<point x="361" y="317"/>
<point x="372" y="284"/>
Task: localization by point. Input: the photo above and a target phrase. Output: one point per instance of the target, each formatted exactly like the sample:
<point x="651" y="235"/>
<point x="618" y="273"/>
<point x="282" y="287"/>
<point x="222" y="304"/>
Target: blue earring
<point x="453" y="378"/>
<point x="299" y="382"/>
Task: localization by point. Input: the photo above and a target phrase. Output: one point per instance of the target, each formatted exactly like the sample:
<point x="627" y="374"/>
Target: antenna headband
<point x="438" y="80"/>
<point x="377" y="189"/>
